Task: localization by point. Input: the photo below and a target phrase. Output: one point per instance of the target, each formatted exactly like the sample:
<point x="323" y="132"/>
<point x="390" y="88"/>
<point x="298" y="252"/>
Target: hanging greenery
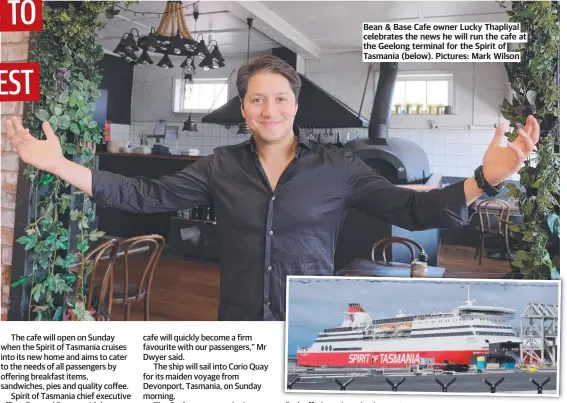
<point x="534" y="81"/>
<point x="69" y="79"/>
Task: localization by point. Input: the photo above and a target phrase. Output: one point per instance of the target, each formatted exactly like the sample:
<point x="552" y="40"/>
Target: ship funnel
<point x="355" y="308"/>
<point x="356" y="316"/>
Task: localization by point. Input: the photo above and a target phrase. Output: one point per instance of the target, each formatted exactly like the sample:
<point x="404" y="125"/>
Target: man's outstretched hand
<point x="504" y="158"/>
<point x="42" y="154"/>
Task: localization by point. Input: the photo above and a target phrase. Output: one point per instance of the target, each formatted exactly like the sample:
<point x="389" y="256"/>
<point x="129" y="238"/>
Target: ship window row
<point x="339" y="339"/>
<point x="462" y="326"/>
<point x="412" y="335"/>
<point x="443" y="328"/>
<point x="496" y="333"/>
<point x="394" y="320"/>
<point x="492" y="313"/>
<point x="347" y="348"/>
<point x="416" y="336"/>
<point x="494" y="327"/>
<point x="340" y="329"/>
<point x="335" y="335"/>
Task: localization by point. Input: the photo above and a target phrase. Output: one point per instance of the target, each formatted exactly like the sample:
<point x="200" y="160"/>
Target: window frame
<point x="428" y="75"/>
<point x="179" y="94"/>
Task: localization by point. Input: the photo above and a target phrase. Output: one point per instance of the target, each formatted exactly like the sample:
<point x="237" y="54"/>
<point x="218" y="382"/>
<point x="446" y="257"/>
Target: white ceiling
<point x="310" y="28"/>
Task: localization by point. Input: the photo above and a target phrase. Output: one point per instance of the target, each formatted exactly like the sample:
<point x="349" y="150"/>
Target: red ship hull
<point x="391" y="359"/>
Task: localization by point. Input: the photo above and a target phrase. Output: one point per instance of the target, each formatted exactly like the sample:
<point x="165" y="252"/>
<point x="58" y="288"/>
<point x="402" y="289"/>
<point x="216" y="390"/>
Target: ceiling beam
<point x="274" y="27"/>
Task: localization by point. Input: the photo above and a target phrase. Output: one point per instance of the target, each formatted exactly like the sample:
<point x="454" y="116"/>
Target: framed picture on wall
<point x="171" y="138"/>
<point x="171" y="133"/>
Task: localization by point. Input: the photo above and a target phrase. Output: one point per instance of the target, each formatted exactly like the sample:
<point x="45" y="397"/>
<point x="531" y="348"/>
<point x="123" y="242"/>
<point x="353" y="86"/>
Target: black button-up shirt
<point x="267" y="235"/>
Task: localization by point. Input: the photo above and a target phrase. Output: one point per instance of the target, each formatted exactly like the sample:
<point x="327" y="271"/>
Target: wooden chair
<point x="127" y="292"/>
<point x="99" y="296"/>
<point x="493" y="216"/>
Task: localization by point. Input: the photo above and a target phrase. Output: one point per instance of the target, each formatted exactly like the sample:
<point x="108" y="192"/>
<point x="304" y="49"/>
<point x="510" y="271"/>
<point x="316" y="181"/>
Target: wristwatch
<point x="490" y="190"/>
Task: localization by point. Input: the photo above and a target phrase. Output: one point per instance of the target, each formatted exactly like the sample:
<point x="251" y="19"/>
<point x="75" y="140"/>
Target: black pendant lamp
<point x="243" y="129"/>
<point x="151" y="42"/>
<point x="207" y="63"/>
<point x="202" y="50"/>
<point x="165" y="62"/>
<point x="121" y="48"/>
<point x="145" y="58"/>
<point x="190" y="125"/>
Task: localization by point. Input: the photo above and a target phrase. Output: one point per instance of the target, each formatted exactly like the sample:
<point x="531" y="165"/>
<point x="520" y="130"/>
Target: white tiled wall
<point x="208" y="137"/>
<point x="119" y="132"/>
<point x="449" y="153"/>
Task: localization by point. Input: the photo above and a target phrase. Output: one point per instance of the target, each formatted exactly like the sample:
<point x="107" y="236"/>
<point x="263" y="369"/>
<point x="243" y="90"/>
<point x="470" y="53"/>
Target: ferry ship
<point x="403" y="341"/>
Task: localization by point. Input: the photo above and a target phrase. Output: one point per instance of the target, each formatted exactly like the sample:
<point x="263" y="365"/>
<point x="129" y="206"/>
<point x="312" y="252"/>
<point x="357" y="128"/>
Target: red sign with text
<point x="20" y="15"/>
<point x="19" y="82"/>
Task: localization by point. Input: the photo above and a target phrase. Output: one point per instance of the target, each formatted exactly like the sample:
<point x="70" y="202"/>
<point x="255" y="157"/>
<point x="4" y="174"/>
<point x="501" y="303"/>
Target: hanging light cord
<point x="248" y="57"/>
<point x="249" y="27"/>
<point x="220" y="92"/>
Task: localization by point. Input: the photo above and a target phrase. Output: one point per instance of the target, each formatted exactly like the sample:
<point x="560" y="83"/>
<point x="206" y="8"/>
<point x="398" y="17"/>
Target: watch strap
<point x="484" y="185"/>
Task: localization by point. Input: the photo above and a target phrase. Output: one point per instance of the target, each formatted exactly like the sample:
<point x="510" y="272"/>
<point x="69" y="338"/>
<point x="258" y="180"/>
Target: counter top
<point x="150" y="156"/>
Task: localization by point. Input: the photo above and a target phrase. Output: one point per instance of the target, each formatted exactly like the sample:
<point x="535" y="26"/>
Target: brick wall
<point x="14" y="49"/>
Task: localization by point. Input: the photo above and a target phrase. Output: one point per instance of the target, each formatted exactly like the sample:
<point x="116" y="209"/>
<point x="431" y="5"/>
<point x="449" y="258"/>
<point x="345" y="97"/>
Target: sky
<point x="316" y="303"/>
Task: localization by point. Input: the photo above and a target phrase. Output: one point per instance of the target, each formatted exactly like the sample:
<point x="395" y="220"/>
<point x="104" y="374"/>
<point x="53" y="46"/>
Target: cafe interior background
<point x="158" y="119"/>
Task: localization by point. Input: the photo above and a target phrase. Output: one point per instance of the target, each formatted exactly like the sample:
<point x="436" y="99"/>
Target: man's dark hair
<point x="267" y="64"/>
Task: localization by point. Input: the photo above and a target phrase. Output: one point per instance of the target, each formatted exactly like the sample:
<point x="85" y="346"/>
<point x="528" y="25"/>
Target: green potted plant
<point x="431" y="108"/>
<point x="440" y="109"/>
<point x="419" y="108"/>
<point x="534" y="82"/>
<point x="398" y="108"/>
<point x="408" y="108"/>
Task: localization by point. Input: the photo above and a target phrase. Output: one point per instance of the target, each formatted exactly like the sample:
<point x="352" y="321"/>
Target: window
<point x="201" y="96"/>
<point x="423" y="89"/>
